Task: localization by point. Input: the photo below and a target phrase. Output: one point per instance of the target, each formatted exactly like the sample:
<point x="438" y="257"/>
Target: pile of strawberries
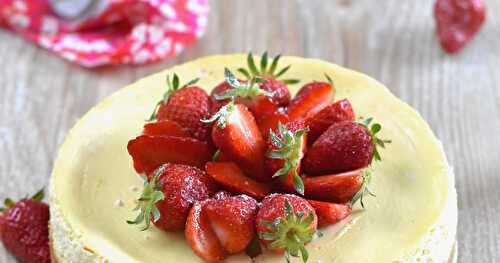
<point x="249" y="168"/>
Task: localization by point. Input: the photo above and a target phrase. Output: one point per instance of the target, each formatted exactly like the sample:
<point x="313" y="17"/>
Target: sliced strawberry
<point x="232" y="220"/>
<point x="336" y="112"/>
<point x="330" y="213"/>
<point x="149" y="152"/>
<point x="201" y="237"/>
<point x="230" y="176"/>
<point x="310" y="99"/>
<point x="271" y="121"/>
<point x="165" y="128"/>
<point x="337" y="188"/>
<point x="237" y="136"/>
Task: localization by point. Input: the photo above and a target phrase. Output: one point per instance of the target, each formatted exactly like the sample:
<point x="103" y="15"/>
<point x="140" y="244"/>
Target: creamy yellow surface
<point x="94" y="170"/>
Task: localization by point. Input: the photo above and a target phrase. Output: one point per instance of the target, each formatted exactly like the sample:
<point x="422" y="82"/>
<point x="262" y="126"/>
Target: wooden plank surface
<point x="42" y="96"/>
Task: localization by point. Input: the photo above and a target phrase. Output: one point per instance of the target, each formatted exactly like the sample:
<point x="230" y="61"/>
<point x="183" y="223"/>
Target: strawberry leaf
<point x="263" y="63"/>
<point x="251" y="64"/>
<point x="221" y="116"/>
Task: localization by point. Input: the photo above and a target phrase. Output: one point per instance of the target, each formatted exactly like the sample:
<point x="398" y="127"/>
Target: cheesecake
<point x="94" y="186"/>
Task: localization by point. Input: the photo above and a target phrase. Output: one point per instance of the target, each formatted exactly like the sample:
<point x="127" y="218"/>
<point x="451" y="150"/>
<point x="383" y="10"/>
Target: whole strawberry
<point x="286" y="223"/>
<point x="186" y="105"/>
<point x="170" y="193"/>
<point x="345" y="146"/>
<point x="24" y="229"/>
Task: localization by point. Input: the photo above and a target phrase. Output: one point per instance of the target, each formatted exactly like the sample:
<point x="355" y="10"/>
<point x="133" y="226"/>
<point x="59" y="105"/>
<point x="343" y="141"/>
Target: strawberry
<point x="222" y="194"/>
<point x="229" y="175"/>
<point x="149" y="152"/>
<point x="186" y="105"/>
<point x="237" y="136"/>
<point x="285" y="151"/>
<point x="330" y="213"/>
<point x="165" y="128"/>
<point x="201" y="237"/>
<point x="270" y="121"/>
<point x="337" y="188"/>
<point x="218" y="91"/>
<point x="170" y="193"/>
<point x="286" y="223"/>
<point x="336" y="112"/>
<point x="311" y="99"/>
<point x="344" y="146"/>
<point x="24" y="229"/>
<point x="233" y="220"/>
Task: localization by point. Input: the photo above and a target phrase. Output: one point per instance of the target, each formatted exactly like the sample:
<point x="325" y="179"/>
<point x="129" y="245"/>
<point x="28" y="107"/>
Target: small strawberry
<point x="337" y="188"/>
<point x="345" y="146"/>
<point x="201" y="237"/>
<point x="230" y="176"/>
<point x="237" y="136"/>
<point x="286" y="149"/>
<point x="270" y="74"/>
<point x="311" y="99"/>
<point x="149" y="152"/>
<point x="270" y="121"/>
<point x="217" y="92"/>
<point x="186" y="105"/>
<point x="286" y="223"/>
<point x="170" y="193"/>
<point x="165" y="128"/>
<point x="24" y="229"/>
<point x="233" y="219"/>
<point x="330" y="213"/>
<point x="336" y="112"/>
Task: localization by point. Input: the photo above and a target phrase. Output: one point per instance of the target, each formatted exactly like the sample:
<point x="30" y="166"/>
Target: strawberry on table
<point x="237" y="136"/>
<point x="170" y="193"/>
<point x="337" y="188"/>
<point x="330" y="213"/>
<point x="24" y="229"/>
<point x="286" y="149"/>
<point x="344" y="146"/>
<point x="165" y="128"/>
<point x="150" y="152"/>
<point x="336" y="112"/>
<point x="232" y="178"/>
<point x="286" y="223"/>
<point x="186" y="105"/>
<point x="311" y="99"/>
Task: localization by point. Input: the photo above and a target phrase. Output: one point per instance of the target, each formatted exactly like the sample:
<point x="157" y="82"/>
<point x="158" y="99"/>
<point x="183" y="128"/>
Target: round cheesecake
<point x="94" y="186"/>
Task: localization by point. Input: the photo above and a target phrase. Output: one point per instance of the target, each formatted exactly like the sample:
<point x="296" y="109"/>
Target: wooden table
<point x="42" y="96"/>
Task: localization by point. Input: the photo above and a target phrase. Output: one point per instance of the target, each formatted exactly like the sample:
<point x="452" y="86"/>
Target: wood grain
<point x="42" y="96"/>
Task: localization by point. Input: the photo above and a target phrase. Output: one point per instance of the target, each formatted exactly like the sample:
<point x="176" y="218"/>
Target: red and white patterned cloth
<point x="121" y="32"/>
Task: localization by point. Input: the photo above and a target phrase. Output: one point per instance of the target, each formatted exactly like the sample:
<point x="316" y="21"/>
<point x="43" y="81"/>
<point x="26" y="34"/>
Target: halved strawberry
<point x="230" y="176"/>
<point x="233" y="221"/>
<point x="165" y="128"/>
<point x="311" y="99"/>
<point x="286" y="223"/>
<point x="285" y="151"/>
<point x="337" y="188"/>
<point x="330" y="213"/>
<point x="344" y="146"/>
<point x="270" y="121"/>
<point x="237" y="136"/>
<point x="336" y="112"/>
<point x="170" y="193"/>
<point x="186" y="105"/>
<point x="149" y="152"/>
<point x="201" y="237"/>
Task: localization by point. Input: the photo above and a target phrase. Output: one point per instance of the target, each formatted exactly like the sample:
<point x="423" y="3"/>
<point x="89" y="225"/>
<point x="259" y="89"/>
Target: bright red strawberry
<point x="311" y="99"/>
<point x="336" y="112"/>
<point x="237" y="136"/>
<point x="230" y="176"/>
<point x="24" y="229"/>
<point x="286" y="223"/>
<point x="149" y="152"/>
<point x="165" y="128"/>
<point x="330" y="213"/>
<point x="233" y="221"/>
<point x="286" y="148"/>
<point x="186" y="105"/>
<point x="201" y="237"/>
<point x="270" y="121"/>
<point x="170" y="193"/>
<point x="458" y="21"/>
<point x="345" y="146"/>
<point x="218" y="91"/>
<point x="222" y="195"/>
<point x="337" y="188"/>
